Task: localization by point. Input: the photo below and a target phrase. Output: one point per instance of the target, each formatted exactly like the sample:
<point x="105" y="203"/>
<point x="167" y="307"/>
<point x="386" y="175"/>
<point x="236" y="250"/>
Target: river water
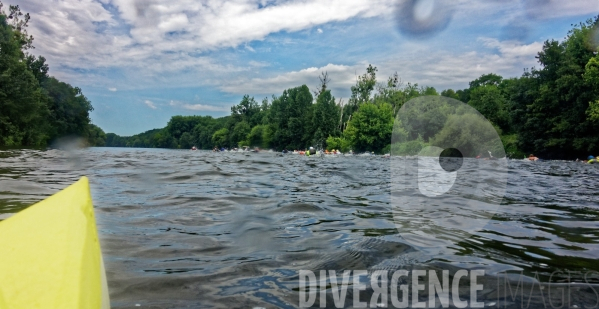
<point x="197" y="229"/>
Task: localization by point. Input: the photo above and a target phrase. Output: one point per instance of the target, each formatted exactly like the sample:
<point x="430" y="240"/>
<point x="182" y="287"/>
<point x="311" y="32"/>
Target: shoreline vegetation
<point x="36" y="109"/>
<point x="551" y="111"/>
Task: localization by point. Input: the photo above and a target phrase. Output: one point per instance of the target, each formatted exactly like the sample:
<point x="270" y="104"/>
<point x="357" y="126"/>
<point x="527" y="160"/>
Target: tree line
<point x="35" y="108"/>
<point x="552" y="110"/>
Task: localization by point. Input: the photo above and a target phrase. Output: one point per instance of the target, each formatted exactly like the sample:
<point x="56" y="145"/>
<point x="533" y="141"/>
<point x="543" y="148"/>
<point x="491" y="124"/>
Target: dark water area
<point x="197" y="229"/>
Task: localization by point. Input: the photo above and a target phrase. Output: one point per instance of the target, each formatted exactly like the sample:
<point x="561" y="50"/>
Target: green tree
<point x="247" y="110"/>
<point x="186" y="141"/>
<point x="361" y="93"/>
<point x="325" y="116"/>
<point x="69" y="109"/>
<point x="556" y="123"/>
<point x="238" y="136"/>
<point x="220" y="138"/>
<point x="371" y="127"/>
<point x="490" y="102"/>
<point x="450" y="93"/>
<point x="21" y="108"/>
<point x="291" y="118"/>
<point x="468" y="133"/>
<point x="96" y="136"/>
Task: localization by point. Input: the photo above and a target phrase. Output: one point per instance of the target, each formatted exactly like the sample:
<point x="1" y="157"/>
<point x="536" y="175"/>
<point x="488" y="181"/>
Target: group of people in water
<point x="311" y="151"/>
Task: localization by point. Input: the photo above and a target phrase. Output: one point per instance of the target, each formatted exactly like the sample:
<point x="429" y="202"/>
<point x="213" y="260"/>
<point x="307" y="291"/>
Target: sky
<point x="141" y="62"/>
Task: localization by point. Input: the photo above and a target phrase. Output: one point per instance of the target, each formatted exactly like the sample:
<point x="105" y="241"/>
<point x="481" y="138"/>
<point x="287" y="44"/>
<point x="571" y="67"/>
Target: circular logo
<point x="449" y="171"/>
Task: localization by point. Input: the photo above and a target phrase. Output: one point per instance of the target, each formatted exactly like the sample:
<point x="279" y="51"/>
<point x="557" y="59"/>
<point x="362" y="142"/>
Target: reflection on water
<point x="194" y="228"/>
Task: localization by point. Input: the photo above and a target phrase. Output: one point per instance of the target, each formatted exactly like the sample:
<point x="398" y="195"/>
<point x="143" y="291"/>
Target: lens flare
<point x="448" y="169"/>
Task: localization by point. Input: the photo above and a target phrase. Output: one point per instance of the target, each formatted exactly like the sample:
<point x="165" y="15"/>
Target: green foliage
<point x="423" y="118"/>
<point x="96" y="136"/>
<point x="338" y="143"/>
<point x="361" y="92"/>
<point x="371" y="127"/>
<point x="552" y="111"/>
<point x="557" y="109"/>
<point x="510" y="143"/>
<point x="34" y="108"/>
<point x="247" y="110"/>
<point x="69" y="109"/>
<point x="220" y="138"/>
<point x="260" y="136"/>
<point x="186" y="141"/>
<point x="291" y="119"/>
<point x="491" y="103"/>
<point x="486" y="80"/>
<point x="467" y="132"/>
<point x="238" y="135"/>
<point x="326" y="112"/>
<point x="450" y="93"/>
<point x="407" y="148"/>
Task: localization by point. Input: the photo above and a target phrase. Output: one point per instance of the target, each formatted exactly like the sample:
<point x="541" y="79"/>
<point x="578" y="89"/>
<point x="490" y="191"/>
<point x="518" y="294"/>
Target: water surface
<point x="197" y="229"/>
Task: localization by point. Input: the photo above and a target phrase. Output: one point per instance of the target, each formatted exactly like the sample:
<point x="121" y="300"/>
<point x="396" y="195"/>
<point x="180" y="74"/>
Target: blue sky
<point x="142" y="61"/>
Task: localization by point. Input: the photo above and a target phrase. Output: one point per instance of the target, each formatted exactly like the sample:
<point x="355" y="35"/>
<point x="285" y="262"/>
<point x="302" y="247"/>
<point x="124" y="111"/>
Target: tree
<point x="450" y="93"/>
<point x="490" y="102"/>
<point x="96" y="136"/>
<point x="469" y="133"/>
<point x="35" y="108"/>
<point x="238" y="136"/>
<point x="556" y="122"/>
<point x="360" y="93"/>
<point x="21" y="108"/>
<point x="325" y="118"/>
<point x="371" y="127"/>
<point x="247" y="110"/>
<point x="69" y="109"/>
<point x="291" y="119"/>
<point x="220" y="138"/>
<point x="486" y="80"/>
<point x="324" y="81"/>
<point x="186" y="141"/>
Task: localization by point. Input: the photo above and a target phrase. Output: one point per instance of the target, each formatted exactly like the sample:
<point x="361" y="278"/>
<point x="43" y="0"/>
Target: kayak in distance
<point x="51" y="255"/>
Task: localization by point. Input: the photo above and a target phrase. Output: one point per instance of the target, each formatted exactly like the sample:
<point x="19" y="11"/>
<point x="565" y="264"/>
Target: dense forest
<point x="35" y="108"/>
<point x="552" y="110"/>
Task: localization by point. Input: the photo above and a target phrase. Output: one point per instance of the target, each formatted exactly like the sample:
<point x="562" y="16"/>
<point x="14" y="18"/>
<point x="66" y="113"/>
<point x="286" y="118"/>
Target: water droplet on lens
<point x="423" y="18"/>
<point x="451" y="159"/>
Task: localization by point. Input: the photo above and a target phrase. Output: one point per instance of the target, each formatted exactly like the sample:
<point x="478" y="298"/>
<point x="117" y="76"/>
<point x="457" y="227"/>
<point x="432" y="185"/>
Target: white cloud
<point x="513" y="49"/>
<point x="258" y="64"/>
<point x="112" y="89"/>
<point x="342" y="77"/>
<point x="546" y="9"/>
<point x="168" y="43"/>
<point x="199" y="107"/>
<point x="444" y="69"/>
<point x="150" y="104"/>
<point x="440" y="69"/>
<point x="248" y="47"/>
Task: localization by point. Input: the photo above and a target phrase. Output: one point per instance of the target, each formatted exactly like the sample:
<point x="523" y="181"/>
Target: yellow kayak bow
<point x="50" y="255"/>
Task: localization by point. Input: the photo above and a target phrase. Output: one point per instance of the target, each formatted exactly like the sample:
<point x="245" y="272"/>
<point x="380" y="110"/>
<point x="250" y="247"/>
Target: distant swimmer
<point x="532" y="157"/>
<point x="491" y="157"/>
<point x="592" y="160"/>
<point x="194" y="148"/>
<point x="310" y="152"/>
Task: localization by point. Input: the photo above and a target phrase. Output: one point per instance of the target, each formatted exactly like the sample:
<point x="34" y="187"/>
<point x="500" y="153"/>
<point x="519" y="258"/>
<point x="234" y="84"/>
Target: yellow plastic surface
<point x="50" y="255"/>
